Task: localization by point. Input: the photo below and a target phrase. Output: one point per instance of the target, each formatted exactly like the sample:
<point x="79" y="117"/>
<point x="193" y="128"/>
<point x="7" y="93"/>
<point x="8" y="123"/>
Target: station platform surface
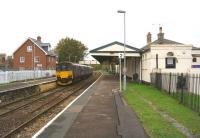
<point x="22" y="84"/>
<point x="98" y="113"/>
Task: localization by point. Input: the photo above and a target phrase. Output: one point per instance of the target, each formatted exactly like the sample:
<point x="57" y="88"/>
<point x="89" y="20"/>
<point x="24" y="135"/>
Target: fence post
<point x="198" y="94"/>
<point x="170" y="75"/>
<point x="156" y="78"/>
<point x="181" y="87"/>
<point x="6" y="77"/>
<point x="195" y="92"/>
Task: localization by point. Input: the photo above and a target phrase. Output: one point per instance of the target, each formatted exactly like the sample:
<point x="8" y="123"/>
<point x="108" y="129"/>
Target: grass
<point x="154" y="124"/>
<point x="191" y="100"/>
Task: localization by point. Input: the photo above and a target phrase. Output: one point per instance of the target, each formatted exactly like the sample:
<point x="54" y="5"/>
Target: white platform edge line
<point x="51" y="121"/>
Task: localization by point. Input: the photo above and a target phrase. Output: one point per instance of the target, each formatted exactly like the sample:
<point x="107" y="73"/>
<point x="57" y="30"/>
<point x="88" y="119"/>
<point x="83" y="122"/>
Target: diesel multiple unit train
<point x="68" y="72"/>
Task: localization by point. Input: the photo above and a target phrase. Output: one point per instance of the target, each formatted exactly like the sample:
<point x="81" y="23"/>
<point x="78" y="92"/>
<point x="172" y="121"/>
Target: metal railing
<point x="11" y="76"/>
<point x="184" y="87"/>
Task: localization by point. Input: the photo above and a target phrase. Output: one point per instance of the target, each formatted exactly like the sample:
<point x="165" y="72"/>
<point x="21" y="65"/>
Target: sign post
<point x="121" y="55"/>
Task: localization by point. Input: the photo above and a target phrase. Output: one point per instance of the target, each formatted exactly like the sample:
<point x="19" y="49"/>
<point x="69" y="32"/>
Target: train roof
<point x="76" y="64"/>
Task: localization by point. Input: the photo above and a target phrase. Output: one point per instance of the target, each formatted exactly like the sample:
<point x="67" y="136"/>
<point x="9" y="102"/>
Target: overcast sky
<point x="96" y="22"/>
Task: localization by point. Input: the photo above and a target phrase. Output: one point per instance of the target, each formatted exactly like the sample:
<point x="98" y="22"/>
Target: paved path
<point x="99" y="117"/>
<point x="98" y="113"/>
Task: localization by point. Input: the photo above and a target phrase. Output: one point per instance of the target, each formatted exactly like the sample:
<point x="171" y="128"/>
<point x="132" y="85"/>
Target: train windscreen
<point x="63" y="67"/>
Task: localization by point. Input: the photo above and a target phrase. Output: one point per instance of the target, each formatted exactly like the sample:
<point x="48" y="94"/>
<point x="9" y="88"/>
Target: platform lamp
<point x="124" y="69"/>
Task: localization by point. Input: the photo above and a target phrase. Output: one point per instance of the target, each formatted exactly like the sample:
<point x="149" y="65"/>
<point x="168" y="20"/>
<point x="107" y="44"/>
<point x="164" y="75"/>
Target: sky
<point x="96" y="22"/>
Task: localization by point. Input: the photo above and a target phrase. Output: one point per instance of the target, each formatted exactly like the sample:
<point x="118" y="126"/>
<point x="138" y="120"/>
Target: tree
<point x="69" y="49"/>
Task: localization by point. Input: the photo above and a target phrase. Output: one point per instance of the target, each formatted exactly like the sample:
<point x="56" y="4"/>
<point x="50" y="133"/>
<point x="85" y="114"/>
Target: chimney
<point x="160" y="36"/>
<point x="148" y="38"/>
<point x="39" y="38"/>
<point x="160" y="29"/>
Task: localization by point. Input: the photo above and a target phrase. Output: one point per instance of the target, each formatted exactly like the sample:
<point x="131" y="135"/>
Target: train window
<point x="65" y="67"/>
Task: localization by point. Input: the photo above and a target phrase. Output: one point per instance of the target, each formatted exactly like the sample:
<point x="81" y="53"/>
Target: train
<point x="68" y="72"/>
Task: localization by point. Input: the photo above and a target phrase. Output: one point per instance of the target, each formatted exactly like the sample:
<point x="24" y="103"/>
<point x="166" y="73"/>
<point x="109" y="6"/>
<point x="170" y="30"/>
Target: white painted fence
<point x="10" y="76"/>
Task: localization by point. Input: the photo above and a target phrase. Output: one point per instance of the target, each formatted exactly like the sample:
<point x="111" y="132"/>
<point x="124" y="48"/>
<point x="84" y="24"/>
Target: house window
<point x="37" y="59"/>
<point x="194" y="60"/>
<point x="21" y="59"/>
<point x="29" y="48"/>
<point x="170" y="62"/>
<point x="49" y="58"/>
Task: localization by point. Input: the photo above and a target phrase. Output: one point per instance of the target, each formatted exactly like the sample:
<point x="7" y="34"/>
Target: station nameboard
<point x="195" y="66"/>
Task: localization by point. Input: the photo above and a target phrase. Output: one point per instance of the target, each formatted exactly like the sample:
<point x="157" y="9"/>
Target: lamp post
<point x="120" y="73"/>
<point x="124" y="69"/>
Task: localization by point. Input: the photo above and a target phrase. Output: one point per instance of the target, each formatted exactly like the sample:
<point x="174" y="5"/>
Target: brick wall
<point x="51" y="62"/>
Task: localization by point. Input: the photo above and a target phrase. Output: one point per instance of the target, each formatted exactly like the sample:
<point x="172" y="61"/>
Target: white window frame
<point x="37" y="59"/>
<point x="21" y="59"/>
<point x="170" y="62"/>
<point x="29" y="48"/>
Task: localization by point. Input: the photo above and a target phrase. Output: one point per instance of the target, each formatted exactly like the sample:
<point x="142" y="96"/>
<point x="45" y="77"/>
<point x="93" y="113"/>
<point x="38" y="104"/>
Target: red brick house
<point x="34" y="54"/>
<point x="2" y="60"/>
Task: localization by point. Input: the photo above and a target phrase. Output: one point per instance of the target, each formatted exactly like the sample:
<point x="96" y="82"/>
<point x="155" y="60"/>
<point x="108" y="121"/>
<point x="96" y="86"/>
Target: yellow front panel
<point x="64" y="74"/>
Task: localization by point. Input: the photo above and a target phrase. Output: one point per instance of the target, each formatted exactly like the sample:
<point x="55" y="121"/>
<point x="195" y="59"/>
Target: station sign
<point x="39" y="65"/>
<point x="195" y="66"/>
<point x="121" y="55"/>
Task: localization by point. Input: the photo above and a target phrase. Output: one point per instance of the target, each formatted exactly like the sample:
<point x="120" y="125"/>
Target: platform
<point x="98" y="113"/>
<point x="23" y="84"/>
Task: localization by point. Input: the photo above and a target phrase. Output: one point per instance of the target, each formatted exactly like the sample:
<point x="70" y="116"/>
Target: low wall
<point x="13" y="95"/>
<point x="47" y="86"/>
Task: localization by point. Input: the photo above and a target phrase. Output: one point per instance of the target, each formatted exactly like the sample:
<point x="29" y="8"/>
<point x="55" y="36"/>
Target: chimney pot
<point x="39" y="38"/>
<point x="160" y="28"/>
<point x="148" y="38"/>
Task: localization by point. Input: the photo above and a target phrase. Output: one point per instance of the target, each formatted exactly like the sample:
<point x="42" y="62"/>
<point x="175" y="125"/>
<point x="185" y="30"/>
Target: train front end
<point x="64" y="73"/>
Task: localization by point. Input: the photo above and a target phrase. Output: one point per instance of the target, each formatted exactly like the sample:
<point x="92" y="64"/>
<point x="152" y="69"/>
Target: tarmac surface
<point x="99" y="117"/>
<point x="98" y="113"/>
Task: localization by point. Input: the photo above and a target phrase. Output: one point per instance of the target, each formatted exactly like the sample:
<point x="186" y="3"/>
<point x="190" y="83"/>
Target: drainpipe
<point x="141" y="66"/>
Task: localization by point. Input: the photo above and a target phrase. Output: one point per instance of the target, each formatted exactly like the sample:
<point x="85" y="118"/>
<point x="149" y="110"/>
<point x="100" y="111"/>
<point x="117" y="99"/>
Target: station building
<point x="108" y="56"/>
<point x="162" y="55"/>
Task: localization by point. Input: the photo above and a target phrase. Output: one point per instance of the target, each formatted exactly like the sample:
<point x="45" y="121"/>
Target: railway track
<point x="11" y="107"/>
<point x="16" y="117"/>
